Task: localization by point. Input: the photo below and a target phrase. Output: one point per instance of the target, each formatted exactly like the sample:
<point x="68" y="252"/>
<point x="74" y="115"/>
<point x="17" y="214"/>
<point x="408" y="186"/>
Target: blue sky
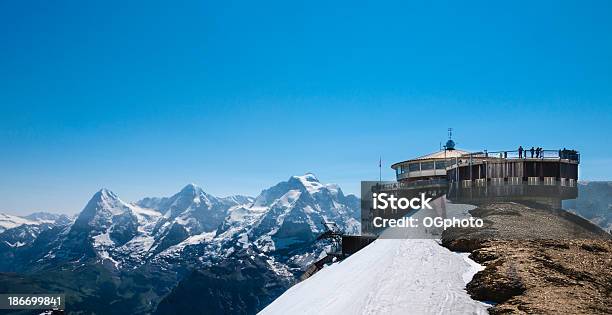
<point x="145" y="97"/>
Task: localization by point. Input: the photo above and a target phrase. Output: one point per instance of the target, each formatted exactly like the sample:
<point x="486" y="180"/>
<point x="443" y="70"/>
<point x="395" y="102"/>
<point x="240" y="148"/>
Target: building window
<point x="414" y="167"/>
<point x="427" y="166"/>
<point x="440" y="165"/>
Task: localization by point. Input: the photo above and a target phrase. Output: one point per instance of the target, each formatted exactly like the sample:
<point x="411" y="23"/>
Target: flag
<point x="380" y="162"/>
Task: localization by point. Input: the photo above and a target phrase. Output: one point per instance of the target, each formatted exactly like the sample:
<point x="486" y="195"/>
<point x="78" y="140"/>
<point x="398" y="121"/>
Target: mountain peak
<point x="191" y="189"/>
<point x="105" y="193"/>
<point x="309" y="177"/>
<point x="309" y="181"/>
<point x="103" y="200"/>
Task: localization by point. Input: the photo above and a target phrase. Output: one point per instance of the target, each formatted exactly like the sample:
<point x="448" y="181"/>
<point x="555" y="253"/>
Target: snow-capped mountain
<point x="296" y="210"/>
<point x="101" y="232"/>
<point x="282" y="223"/>
<point x="190" y="212"/>
<point x="166" y="239"/>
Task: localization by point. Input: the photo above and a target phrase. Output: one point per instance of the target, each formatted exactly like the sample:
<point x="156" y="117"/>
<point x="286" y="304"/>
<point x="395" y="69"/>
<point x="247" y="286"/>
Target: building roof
<point x="436" y="155"/>
<point x="442" y="154"/>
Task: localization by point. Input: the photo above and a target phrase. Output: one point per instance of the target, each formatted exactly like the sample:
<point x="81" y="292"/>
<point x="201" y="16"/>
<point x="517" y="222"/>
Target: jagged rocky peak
<point x="190" y="196"/>
<point x="108" y="200"/>
<point x="104" y="205"/>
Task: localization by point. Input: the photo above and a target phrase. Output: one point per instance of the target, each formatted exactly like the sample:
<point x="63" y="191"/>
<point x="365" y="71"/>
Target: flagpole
<point x="380" y="169"/>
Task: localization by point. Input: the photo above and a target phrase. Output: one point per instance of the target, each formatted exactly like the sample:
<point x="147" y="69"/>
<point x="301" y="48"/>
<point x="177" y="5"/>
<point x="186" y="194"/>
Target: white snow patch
<point x="16" y="244"/>
<point x="192" y="240"/>
<point x="105" y="256"/>
<point x="103" y="240"/>
<point x="288" y="198"/>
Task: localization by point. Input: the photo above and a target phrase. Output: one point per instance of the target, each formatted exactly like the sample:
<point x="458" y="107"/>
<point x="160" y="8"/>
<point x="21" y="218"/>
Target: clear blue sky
<point x="145" y="97"/>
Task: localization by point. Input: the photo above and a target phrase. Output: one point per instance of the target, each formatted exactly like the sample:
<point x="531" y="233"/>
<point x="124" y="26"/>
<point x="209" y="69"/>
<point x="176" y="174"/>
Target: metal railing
<point x="410" y="185"/>
<point x="479" y="157"/>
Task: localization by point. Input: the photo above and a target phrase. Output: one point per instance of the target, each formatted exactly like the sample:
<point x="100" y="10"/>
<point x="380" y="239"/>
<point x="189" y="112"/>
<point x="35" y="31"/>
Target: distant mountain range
<point x="149" y="256"/>
<point x="8" y="221"/>
<point x="594" y="203"/>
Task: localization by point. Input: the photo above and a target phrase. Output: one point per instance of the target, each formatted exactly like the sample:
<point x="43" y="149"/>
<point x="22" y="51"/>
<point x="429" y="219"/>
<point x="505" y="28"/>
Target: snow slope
<point x="390" y="276"/>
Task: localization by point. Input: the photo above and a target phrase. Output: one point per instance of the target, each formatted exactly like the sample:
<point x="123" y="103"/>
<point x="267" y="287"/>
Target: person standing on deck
<point x="532" y="151"/>
<point x="520" y="150"/>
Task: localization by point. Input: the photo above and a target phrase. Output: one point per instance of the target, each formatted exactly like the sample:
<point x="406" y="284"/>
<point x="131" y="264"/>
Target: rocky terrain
<point x="538" y="260"/>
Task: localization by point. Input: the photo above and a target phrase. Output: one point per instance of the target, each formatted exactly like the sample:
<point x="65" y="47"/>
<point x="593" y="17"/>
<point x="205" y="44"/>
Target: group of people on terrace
<point x="538" y="152"/>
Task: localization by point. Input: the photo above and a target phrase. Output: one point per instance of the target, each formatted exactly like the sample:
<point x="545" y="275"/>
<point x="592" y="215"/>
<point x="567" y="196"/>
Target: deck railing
<point x="409" y="185"/>
<point x="479" y="157"/>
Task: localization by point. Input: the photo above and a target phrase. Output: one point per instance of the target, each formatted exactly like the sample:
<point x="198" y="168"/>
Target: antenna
<point x="450" y="144"/>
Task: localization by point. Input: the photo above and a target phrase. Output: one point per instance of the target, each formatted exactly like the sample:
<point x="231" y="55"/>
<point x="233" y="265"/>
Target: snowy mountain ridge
<point x="282" y="223"/>
<point x="8" y="221"/>
<point x="174" y="241"/>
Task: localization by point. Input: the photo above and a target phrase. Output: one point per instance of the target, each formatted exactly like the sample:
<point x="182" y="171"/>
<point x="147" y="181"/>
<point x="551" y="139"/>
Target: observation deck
<point x="550" y="167"/>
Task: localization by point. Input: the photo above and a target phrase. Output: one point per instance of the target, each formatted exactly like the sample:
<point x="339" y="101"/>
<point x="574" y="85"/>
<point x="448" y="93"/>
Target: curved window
<point x="414" y="167"/>
<point x="427" y="166"/>
<point x="440" y="165"/>
<point x="401" y="169"/>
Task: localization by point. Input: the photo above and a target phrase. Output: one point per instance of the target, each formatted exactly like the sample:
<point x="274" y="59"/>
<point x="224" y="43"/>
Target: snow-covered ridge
<point x="390" y="276"/>
<point x="8" y="221"/>
<point x="310" y="182"/>
<point x="196" y="227"/>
